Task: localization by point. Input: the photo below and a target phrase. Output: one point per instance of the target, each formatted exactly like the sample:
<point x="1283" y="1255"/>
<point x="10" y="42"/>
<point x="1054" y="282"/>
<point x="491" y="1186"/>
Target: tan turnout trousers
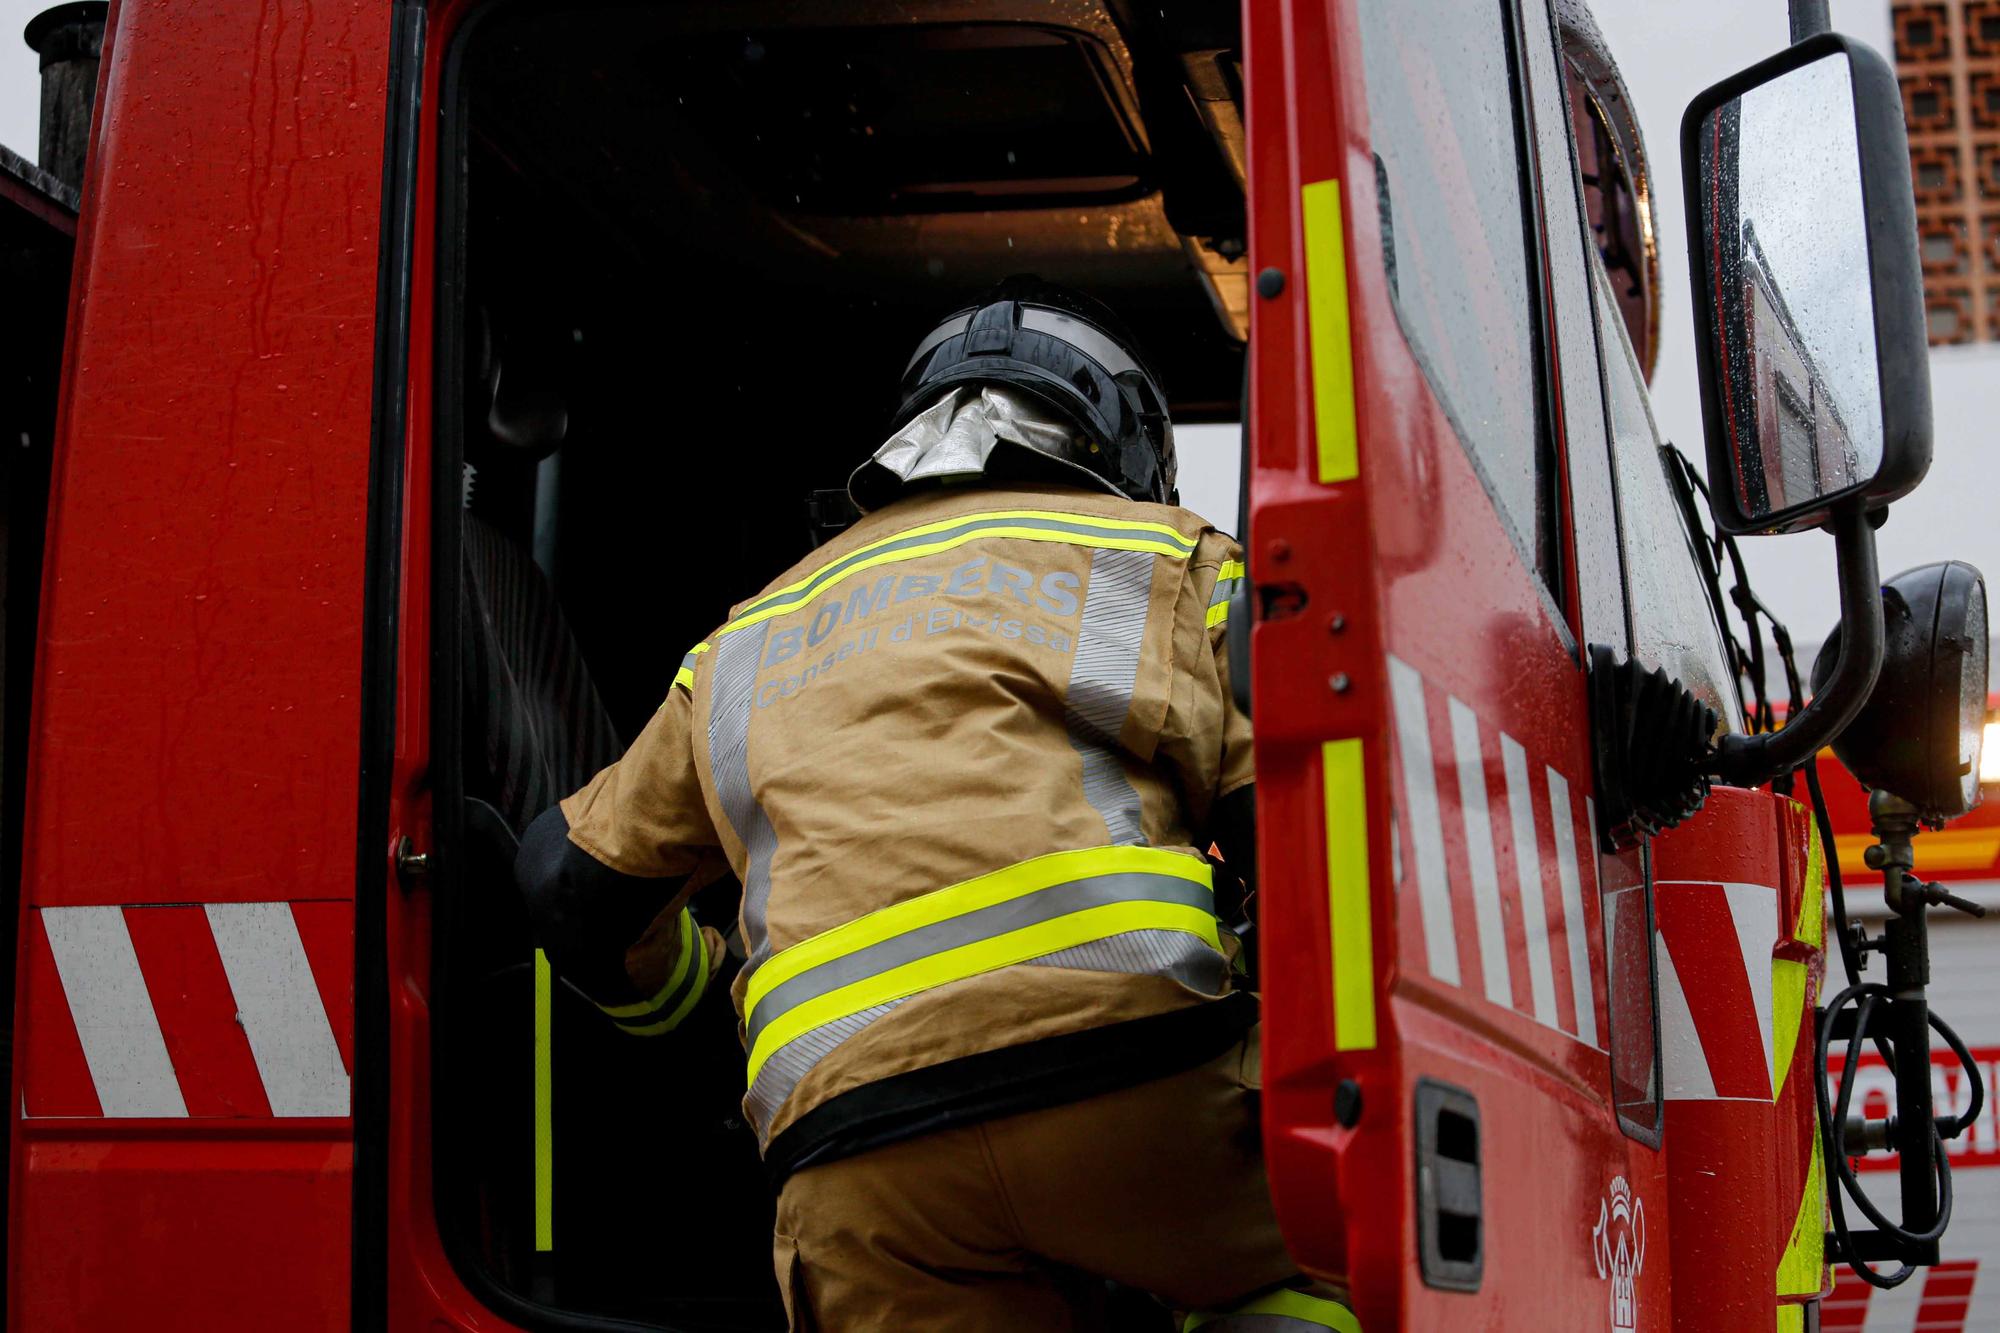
<point x="1013" y="1224"/>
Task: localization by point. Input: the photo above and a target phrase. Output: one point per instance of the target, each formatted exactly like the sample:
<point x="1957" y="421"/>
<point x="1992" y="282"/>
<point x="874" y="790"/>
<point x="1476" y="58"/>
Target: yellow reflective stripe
<point x="1231" y="569"/>
<point x="1326" y="318"/>
<point x="1804" y="1261"/>
<point x="1156" y="538"/>
<point x="688" y="1001"/>
<point x="1788" y="977"/>
<point x="1014" y="881"/>
<point x="1288" y="1304"/>
<point x="1811" y="927"/>
<point x="545" y="1173"/>
<point x="1791" y="1319"/>
<point x="685" y="676"/>
<point x="1217" y="614"/>
<point x="1344" y="789"/>
<point x="987" y="955"/>
<point x="1788" y="1008"/>
<point x="693" y="955"/>
<point x="947" y="524"/>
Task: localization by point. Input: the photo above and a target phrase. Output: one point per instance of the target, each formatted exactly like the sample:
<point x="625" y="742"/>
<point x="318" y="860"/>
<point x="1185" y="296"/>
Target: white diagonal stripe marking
<point x="1686" y="1065"/>
<point x="280" y="1009"/>
<point x="1528" y="871"/>
<point x="114" y="1014"/>
<point x="1574" y="920"/>
<point x="1479" y="853"/>
<point x="1753" y="910"/>
<point x="1413" y="738"/>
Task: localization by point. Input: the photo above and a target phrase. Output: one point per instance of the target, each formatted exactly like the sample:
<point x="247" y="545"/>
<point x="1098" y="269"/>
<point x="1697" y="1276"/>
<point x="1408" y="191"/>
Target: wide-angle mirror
<point x="1808" y="304"/>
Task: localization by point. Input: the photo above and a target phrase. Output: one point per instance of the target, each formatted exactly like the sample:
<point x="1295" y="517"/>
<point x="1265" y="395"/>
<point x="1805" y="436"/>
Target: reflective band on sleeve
<point x="730" y="698"/>
<point x="675" y="1000"/>
<point x="1066" y="909"/>
<point x="1227" y="580"/>
<point x="1103" y="674"/>
<point x="933" y="538"/>
<point x="685" y="676"/>
<point x="1281" y="1311"/>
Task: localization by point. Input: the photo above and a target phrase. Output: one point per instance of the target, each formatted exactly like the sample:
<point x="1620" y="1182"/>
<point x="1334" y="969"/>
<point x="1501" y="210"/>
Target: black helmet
<point x="1070" y="352"/>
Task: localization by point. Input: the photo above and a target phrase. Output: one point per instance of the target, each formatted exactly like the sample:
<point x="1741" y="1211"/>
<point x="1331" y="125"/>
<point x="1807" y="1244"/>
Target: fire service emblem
<point x="1618" y="1245"/>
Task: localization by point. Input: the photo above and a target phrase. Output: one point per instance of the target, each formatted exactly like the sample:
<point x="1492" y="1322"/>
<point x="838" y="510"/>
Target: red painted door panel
<point x="183" y="1033"/>
<point x="1404" y="614"/>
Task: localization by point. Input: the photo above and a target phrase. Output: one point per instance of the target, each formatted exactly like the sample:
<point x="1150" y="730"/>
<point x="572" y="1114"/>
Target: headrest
<point x="527" y="376"/>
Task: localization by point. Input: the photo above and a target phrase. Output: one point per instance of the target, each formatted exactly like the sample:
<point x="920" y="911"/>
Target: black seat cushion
<point x="535" y="729"/>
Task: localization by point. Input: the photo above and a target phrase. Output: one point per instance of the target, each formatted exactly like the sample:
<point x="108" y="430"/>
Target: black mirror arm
<point x="1750" y="761"/>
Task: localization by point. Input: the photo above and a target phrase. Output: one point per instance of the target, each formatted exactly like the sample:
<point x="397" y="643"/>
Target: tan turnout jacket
<point x="957" y="757"/>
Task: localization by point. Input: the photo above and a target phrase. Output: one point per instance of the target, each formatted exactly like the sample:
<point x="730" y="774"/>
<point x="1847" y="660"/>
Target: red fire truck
<point x="408" y="353"/>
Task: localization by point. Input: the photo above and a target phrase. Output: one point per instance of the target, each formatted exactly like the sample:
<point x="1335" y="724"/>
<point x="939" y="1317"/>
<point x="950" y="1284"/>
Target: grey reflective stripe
<point x="1175" y="954"/>
<point x="1056" y="324"/>
<point x="985" y="923"/>
<point x="696" y="974"/>
<point x="795" y="1059"/>
<point x="1076" y="527"/>
<point x="687" y="663"/>
<point x="730" y="698"/>
<point x="951" y="328"/>
<point x="1224" y="590"/>
<point x="1102" y="676"/>
<point x="1152" y="953"/>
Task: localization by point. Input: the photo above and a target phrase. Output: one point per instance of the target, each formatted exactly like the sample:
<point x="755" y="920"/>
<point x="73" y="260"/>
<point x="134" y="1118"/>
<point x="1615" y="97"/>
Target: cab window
<point x="682" y="273"/>
<point x="1444" y="121"/>
<point x="1673" y="619"/>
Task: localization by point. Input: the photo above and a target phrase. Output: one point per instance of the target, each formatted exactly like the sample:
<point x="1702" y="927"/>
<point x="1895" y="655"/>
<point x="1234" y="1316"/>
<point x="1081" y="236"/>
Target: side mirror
<point x="1919" y="734"/>
<point x="1808" y="294"/>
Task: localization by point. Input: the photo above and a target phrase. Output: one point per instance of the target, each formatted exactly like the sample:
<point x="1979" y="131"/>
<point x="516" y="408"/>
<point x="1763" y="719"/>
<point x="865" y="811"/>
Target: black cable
<point x="1850" y="957"/>
<point x="1958" y="1124"/>
<point x="1713" y="548"/>
<point x="1708" y="553"/>
<point x="1833" y="1128"/>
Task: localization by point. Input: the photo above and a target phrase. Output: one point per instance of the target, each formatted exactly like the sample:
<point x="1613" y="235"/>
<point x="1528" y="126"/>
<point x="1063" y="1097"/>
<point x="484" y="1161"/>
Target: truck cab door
<point x="1431" y="513"/>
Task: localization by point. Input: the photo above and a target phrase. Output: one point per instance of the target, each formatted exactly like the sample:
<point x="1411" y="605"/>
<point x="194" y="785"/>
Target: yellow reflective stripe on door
<point x="1804" y="1259"/>
<point x="545" y="1172"/>
<point x="1331" y="339"/>
<point x="1344" y="787"/>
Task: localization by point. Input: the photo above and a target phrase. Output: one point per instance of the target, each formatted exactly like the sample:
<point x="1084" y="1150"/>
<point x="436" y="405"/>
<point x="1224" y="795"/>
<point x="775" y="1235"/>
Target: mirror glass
<point x="1791" y="297"/>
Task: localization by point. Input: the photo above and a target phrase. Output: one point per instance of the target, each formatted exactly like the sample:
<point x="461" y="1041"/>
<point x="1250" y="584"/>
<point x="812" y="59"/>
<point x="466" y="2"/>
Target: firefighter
<point x="962" y="759"/>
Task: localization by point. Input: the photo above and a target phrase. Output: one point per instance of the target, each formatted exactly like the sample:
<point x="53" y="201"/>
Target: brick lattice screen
<point x="1948" y="62"/>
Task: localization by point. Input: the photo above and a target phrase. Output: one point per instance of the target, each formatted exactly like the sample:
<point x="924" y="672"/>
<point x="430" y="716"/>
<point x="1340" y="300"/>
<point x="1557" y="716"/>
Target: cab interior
<point x="686" y="250"/>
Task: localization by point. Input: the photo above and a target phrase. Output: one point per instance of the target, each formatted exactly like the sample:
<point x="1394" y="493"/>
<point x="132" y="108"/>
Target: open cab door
<point x="1462" y="1112"/>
